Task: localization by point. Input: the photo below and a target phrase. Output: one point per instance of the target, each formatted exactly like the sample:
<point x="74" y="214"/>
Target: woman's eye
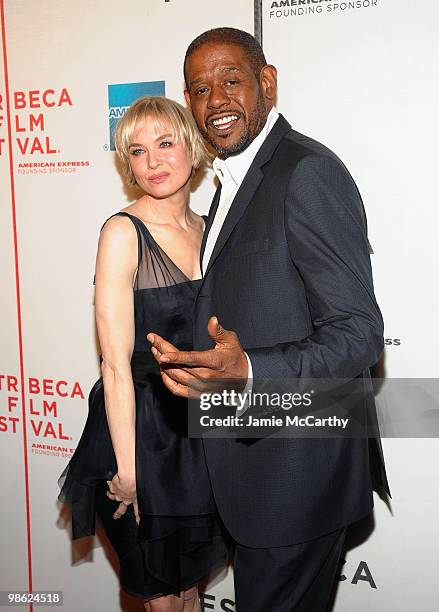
<point x="165" y="144"/>
<point x="136" y="151"/>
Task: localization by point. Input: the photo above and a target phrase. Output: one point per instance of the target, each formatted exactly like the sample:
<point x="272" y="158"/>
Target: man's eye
<point x="165" y="144"/>
<point x="136" y="151"/>
<point x="232" y="82"/>
<point x="200" y="90"/>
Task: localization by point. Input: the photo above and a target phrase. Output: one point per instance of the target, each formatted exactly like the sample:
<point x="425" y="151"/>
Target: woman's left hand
<point x="123" y="507"/>
<point x="123" y="490"/>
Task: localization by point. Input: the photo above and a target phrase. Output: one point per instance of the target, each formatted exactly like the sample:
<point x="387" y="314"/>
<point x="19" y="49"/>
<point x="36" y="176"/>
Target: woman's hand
<point x="123" y="507"/>
<point x="123" y="490"/>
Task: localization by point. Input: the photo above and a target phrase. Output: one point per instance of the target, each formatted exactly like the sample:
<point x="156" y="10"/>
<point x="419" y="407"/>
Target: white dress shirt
<point x="231" y="173"/>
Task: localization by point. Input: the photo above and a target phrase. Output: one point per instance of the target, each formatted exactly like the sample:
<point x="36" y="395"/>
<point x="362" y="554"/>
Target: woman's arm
<point x="116" y="265"/>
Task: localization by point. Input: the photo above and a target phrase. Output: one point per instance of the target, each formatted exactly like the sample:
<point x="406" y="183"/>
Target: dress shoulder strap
<point x="155" y="269"/>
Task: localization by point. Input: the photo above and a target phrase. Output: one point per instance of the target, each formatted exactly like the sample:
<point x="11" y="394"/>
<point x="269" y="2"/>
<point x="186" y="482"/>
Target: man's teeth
<point x="224" y="120"/>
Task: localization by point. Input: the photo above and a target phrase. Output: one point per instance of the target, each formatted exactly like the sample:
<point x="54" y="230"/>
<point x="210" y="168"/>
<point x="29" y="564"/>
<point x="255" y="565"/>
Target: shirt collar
<point x="235" y="167"/>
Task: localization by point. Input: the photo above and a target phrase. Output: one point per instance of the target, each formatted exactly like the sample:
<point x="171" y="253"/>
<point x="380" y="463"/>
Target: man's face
<point x="228" y="101"/>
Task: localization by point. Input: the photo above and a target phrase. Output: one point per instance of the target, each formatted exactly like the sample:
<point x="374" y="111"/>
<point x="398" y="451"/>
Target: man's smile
<point x="223" y="123"/>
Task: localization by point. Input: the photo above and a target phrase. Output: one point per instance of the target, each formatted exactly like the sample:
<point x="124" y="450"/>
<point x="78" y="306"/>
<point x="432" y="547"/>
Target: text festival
<point x="42" y="405"/>
<point x="360" y="574"/>
<point x="26" y="124"/>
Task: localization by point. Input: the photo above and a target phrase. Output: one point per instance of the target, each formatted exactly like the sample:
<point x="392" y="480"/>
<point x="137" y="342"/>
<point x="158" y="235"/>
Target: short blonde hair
<point x="159" y="109"/>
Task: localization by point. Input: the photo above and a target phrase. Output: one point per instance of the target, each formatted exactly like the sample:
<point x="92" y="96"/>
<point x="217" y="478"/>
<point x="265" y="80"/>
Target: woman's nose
<point x="154" y="160"/>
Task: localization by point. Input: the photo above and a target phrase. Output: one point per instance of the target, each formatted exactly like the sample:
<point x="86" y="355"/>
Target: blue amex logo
<point x="122" y="95"/>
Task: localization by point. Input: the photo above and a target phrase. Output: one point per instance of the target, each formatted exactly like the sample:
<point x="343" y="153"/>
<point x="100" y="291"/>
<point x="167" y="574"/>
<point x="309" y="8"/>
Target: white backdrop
<point x="362" y="77"/>
<point x="361" y="80"/>
<point x="77" y="50"/>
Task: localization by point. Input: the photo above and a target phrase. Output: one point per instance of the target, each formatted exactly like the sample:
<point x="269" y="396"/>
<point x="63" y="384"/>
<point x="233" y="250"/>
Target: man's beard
<point x="258" y="118"/>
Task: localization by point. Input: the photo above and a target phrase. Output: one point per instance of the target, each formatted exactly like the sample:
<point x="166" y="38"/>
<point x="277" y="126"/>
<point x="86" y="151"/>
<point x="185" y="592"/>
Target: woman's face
<point x="161" y="165"/>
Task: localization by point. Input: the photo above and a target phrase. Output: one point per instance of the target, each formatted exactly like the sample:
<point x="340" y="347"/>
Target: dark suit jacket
<point x="290" y="274"/>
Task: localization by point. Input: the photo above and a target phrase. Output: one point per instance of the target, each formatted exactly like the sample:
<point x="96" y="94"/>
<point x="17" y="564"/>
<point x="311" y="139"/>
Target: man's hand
<point x="184" y="372"/>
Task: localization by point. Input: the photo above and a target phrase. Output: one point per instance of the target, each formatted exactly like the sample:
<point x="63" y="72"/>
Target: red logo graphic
<point x="43" y="397"/>
<point x="30" y="111"/>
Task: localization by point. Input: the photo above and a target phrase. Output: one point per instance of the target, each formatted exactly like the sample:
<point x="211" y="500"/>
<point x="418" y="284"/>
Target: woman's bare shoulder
<point x="117" y="246"/>
<point x="200" y="219"/>
<point x="118" y="227"/>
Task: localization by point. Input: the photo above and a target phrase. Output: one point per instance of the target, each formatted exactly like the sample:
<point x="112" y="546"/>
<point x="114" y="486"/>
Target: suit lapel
<point x="210" y="217"/>
<point x="247" y="189"/>
<point x="240" y="203"/>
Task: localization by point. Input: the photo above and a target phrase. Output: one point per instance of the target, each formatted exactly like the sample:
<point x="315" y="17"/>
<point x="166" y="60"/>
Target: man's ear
<point x="268" y="82"/>
<point x="187" y="97"/>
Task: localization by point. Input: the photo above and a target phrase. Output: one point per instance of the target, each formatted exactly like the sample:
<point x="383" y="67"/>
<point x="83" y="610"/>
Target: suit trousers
<point x="297" y="578"/>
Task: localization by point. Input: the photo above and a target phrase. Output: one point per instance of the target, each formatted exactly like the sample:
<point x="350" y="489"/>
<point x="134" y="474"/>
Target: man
<point x="285" y="261"/>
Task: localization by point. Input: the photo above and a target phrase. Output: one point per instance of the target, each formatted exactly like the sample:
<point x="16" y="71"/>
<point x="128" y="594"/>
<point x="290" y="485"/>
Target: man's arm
<point x="327" y="238"/>
<point x="326" y="233"/>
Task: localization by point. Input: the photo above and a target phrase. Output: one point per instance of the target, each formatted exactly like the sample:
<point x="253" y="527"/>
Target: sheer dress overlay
<point x="180" y="537"/>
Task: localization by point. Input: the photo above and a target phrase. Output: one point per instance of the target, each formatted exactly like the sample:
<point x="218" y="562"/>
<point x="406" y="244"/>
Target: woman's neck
<point x="173" y="210"/>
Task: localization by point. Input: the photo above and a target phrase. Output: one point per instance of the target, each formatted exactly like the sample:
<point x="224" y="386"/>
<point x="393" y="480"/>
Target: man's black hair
<point x="230" y="36"/>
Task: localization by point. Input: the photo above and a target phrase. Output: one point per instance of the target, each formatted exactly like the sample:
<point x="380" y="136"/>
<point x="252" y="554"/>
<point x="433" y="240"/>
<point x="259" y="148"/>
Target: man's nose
<point x="218" y="97"/>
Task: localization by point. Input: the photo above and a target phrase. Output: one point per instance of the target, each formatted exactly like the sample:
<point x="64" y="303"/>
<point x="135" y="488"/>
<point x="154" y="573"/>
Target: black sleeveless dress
<point x="180" y="537"/>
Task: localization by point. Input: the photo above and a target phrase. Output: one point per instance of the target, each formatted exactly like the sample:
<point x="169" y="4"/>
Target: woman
<point x="158" y="510"/>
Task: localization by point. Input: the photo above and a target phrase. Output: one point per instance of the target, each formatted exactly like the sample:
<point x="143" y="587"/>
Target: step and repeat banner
<point x="72" y="69"/>
<point x="359" y="76"/>
<point x="362" y="77"/>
